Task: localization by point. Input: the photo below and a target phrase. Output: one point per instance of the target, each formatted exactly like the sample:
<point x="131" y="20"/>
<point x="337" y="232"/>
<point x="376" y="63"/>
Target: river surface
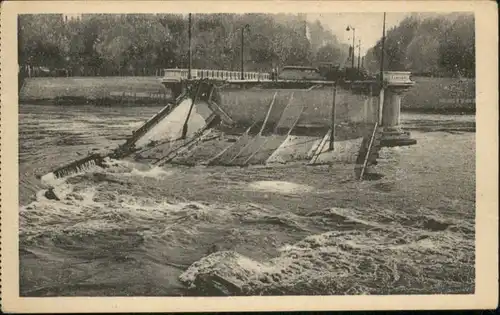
<point x="133" y="229"/>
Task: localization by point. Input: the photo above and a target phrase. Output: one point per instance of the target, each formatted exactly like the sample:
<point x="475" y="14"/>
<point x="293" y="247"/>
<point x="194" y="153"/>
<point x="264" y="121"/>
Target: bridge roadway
<point x="178" y="75"/>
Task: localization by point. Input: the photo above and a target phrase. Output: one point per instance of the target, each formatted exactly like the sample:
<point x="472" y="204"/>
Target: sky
<point x="368" y="26"/>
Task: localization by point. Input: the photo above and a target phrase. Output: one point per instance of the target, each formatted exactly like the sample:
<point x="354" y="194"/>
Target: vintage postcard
<point x="248" y="155"/>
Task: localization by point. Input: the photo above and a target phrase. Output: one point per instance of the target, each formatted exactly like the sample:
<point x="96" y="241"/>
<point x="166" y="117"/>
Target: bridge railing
<point x="182" y="74"/>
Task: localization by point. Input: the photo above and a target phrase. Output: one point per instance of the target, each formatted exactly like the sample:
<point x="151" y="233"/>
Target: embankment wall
<point x="441" y="95"/>
<point x="93" y="90"/>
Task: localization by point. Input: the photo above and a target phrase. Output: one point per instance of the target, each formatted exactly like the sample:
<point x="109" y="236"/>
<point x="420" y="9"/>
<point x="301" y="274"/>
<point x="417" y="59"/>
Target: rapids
<point x="134" y="229"/>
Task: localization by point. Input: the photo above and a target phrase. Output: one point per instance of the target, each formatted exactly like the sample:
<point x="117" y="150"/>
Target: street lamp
<point x="246" y="27"/>
<point x="349" y="28"/>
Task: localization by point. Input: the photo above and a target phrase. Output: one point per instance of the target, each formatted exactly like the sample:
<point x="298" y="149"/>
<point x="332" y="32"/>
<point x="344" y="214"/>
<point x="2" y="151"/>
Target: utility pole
<point x="353" y="39"/>
<point x="382" y="54"/>
<point x="189" y="49"/>
<point x="359" y="53"/>
<point x="243" y="49"/>
<point x="381" y="99"/>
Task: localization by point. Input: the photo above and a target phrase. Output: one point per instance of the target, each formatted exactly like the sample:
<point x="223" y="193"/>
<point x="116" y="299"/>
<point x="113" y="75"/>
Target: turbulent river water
<point x="133" y="229"/>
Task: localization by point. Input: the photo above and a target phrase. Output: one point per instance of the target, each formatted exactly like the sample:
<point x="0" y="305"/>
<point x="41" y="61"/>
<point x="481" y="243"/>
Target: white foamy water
<point x="155" y="172"/>
<point x="128" y="168"/>
<point x="280" y="187"/>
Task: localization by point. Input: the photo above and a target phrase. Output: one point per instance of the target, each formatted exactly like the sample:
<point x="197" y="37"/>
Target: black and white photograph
<point x="212" y="154"/>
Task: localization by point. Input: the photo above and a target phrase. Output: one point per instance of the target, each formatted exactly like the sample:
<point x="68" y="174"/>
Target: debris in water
<point x="51" y="195"/>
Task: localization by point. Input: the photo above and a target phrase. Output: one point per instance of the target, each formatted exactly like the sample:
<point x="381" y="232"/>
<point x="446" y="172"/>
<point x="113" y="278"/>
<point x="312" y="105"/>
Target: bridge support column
<point x="396" y="83"/>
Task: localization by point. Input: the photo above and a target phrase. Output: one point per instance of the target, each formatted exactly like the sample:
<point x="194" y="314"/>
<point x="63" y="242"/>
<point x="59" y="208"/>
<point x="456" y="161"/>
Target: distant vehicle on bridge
<point x="331" y="71"/>
<point x="300" y="73"/>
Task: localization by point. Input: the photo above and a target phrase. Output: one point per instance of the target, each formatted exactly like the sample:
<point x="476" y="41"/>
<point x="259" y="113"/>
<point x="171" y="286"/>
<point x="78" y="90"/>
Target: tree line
<point x="432" y="46"/>
<point x="139" y="44"/>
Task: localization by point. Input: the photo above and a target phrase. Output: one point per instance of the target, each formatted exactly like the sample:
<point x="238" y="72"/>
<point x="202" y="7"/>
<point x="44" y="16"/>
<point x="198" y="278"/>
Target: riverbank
<point x="441" y="96"/>
<point x="100" y="91"/>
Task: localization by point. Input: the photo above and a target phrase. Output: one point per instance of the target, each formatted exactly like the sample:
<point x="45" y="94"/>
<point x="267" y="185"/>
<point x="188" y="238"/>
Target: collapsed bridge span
<point x="261" y="121"/>
<point x="223" y="123"/>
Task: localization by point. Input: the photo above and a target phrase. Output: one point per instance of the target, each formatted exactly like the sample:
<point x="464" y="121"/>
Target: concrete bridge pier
<point x="396" y="83"/>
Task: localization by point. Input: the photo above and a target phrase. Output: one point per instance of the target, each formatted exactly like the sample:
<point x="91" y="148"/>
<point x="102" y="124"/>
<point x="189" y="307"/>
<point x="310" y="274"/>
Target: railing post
<point x="242" y="50"/>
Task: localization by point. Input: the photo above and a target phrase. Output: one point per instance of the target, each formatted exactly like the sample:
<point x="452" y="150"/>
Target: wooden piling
<point x="370" y="103"/>
<point x="368" y="152"/>
<point x="332" y="128"/>
<point x="195" y="98"/>
<point x="380" y="105"/>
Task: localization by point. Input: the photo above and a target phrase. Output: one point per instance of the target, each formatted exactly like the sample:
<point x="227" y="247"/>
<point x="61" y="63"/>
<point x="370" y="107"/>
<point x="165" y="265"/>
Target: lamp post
<point x="242" y="48"/>
<point x="349" y="28"/>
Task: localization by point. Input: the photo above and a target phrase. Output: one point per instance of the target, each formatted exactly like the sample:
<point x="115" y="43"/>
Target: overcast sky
<point x="368" y="26"/>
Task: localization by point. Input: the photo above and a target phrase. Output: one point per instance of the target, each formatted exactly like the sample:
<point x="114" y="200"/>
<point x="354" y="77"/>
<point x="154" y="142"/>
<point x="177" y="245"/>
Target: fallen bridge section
<point x="272" y="135"/>
<point x="212" y="125"/>
<point x="231" y="151"/>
